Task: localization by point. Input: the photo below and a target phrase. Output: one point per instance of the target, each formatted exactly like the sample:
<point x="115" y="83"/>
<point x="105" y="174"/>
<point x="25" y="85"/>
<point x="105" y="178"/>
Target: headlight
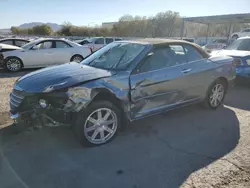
<point x="43" y="103"/>
<point x="78" y="92"/>
<point x="248" y="61"/>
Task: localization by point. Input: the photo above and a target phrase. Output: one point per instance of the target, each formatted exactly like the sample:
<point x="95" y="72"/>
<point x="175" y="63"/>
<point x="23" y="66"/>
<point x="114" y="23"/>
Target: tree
<point x="66" y="29"/>
<point x="15" y="30"/>
<point x="42" y="30"/>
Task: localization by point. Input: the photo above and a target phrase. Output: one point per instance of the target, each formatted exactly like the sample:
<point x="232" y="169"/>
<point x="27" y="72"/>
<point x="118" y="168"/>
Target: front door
<point x="40" y="55"/>
<point x="159" y="82"/>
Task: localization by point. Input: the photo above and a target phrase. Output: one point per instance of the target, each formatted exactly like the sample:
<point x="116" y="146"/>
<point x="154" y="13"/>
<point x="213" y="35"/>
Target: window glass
<point x="192" y="54"/>
<point x="7" y="42"/>
<point x="165" y="57"/>
<point x="114" y="55"/>
<point x="109" y="40"/>
<point x="244" y="45"/>
<point x="61" y="44"/>
<point x="246" y="30"/>
<point x="44" y="45"/>
<point x="118" y="39"/>
<point x="84" y="42"/>
<point x="99" y="41"/>
<point x="20" y="42"/>
<point x="240" y="44"/>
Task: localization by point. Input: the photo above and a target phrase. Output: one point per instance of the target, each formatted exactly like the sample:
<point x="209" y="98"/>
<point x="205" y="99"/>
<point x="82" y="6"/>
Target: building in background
<point x="108" y="25"/>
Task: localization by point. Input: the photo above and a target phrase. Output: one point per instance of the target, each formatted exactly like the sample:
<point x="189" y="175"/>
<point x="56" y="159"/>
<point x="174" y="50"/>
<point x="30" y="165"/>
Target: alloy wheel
<point x="13" y="65"/>
<point x="217" y="95"/>
<point x="100" y="126"/>
<point x="77" y="59"/>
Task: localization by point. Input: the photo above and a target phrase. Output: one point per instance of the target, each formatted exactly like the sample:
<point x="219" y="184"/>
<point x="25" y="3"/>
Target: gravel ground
<point x="189" y="147"/>
<point x="6" y="84"/>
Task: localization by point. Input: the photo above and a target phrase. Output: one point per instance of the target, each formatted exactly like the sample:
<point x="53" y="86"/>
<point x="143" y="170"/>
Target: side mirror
<point x="145" y="59"/>
<point x="35" y="47"/>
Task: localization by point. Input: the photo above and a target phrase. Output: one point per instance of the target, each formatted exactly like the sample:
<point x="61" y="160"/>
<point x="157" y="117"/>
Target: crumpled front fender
<point x="81" y="96"/>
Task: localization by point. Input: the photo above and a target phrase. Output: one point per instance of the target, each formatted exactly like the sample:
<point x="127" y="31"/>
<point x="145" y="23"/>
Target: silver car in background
<point x="95" y="43"/>
<point x="43" y="53"/>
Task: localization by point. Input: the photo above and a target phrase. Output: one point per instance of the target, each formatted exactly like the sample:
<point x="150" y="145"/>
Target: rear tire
<point x="215" y="95"/>
<point x="97" y="124"/>
<point x="77" y="58"/>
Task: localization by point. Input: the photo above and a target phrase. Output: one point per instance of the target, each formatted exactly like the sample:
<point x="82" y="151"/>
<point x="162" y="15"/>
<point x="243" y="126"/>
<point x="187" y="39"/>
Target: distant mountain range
<point x="54" y="26"/>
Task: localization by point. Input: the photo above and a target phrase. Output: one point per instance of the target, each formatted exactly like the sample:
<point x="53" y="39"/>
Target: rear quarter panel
<point x="223" y="67"/>
<point x="215" y="68"/>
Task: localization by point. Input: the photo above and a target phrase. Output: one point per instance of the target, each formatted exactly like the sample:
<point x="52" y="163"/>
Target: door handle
<point x="186" y="71"/>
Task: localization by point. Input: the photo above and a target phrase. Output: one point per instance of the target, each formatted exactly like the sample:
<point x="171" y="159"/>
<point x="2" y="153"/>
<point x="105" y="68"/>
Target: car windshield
<point x="29" y="45"/>
<point x="116" y="55"/>
<point x="240" y="44"/>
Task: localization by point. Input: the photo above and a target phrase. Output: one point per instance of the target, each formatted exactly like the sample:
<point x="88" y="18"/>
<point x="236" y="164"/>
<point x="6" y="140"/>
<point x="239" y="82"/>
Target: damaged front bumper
<point x="14" y="116"/>
<point x="52" y="108"/>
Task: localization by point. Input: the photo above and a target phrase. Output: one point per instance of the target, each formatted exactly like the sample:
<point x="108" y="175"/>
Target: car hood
<point x="238" y="53"/>
<point x="59" y="77"/>
<point x="7" y="46"/>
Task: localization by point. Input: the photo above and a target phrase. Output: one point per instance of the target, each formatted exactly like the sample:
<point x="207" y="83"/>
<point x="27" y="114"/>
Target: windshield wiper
<point x="120" y="59"/>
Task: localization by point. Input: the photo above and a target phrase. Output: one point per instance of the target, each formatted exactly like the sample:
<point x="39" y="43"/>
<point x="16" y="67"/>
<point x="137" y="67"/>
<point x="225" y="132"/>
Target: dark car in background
<point x="189" y="39"/>
<point x="14" y="41"/>
<point x="122" y="82"/>
<point x="240" y="51"/>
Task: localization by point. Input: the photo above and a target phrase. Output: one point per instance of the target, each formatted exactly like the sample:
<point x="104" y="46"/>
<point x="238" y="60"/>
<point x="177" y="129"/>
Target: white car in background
<point x="43" y="53"/>
<point x="7" y="47"/>
<point x="95" y="43"/>
<point x="243" y="33"/>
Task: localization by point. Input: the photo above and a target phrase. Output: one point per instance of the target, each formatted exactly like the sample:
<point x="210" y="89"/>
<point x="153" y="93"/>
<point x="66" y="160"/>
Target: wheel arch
<point x="236" y="35"/>
<point x="76" y="55"/>
<point x="106" y="95"/>
<point x="223" y="79"/>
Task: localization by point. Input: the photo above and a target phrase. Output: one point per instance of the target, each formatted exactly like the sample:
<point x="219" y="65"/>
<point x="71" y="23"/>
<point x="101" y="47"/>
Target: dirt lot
<point x="189" y="147"/>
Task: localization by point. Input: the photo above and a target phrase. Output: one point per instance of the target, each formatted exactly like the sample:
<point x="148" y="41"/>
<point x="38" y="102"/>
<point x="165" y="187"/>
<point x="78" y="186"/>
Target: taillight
<point x="237" y="62"/>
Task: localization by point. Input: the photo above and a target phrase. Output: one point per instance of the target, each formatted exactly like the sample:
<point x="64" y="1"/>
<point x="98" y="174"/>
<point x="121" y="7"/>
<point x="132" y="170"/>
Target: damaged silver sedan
<point x="122" y="82"/>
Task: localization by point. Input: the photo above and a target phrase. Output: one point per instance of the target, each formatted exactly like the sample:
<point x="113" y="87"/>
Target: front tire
<point x="216" y="94"/>
<point x="13" y="64"/>
<point x="97" y="124"/>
